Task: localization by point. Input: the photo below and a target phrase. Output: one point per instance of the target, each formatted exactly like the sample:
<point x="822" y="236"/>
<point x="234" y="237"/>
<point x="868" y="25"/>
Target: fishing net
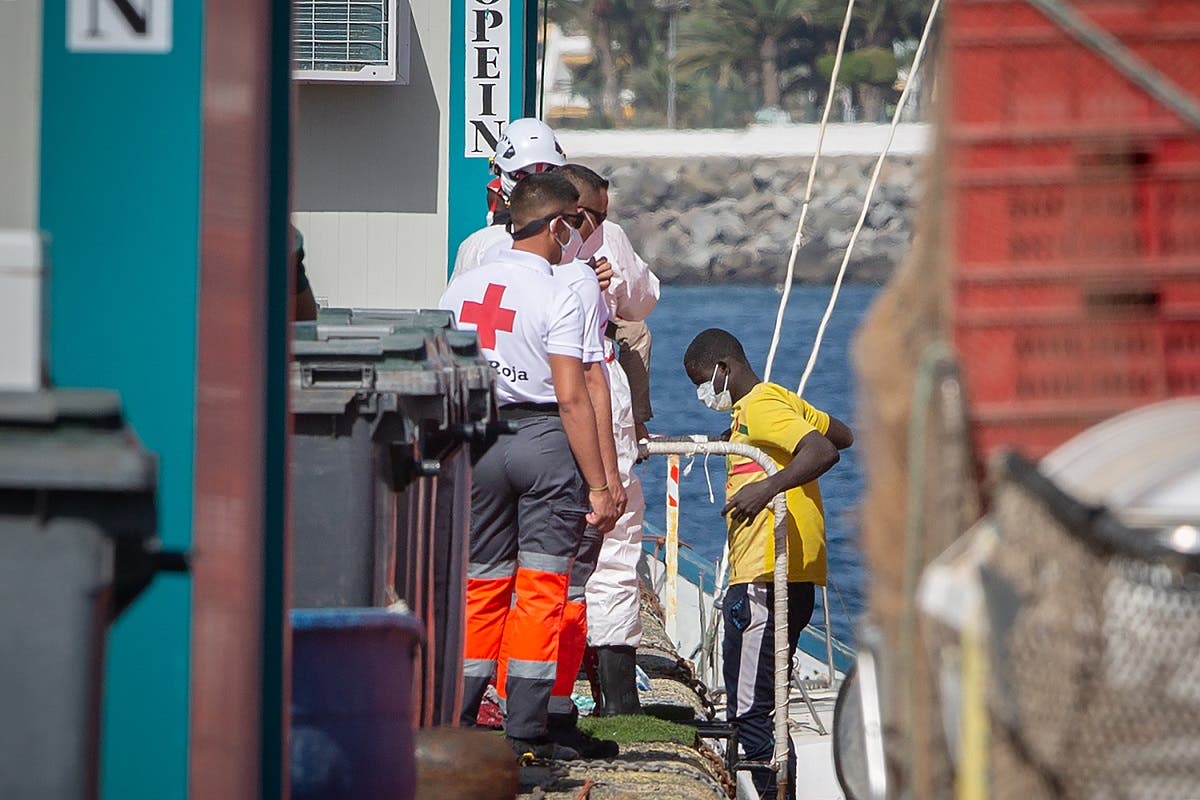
<point x="1094" y="655"/>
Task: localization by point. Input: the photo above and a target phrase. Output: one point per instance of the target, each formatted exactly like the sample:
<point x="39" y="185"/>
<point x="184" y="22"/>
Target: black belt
<point x="611" y="330"/>
<point x="527" y="410"/>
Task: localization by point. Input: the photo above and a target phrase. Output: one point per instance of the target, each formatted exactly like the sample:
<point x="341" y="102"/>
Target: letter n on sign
<point x="488" y="74"/>
<point x="119" y="26"/>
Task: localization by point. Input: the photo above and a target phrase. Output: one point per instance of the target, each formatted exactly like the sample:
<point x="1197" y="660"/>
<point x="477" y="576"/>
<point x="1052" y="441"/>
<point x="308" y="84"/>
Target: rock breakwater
<point x="733" y="220"/>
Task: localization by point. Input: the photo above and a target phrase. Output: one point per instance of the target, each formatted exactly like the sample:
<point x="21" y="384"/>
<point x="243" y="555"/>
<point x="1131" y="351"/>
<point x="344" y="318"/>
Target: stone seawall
<point x="724" y="220"/>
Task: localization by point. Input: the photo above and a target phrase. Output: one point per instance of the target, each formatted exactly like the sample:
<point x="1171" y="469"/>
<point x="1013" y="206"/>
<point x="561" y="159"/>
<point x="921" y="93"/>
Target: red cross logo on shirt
<point x="488" y="316"/>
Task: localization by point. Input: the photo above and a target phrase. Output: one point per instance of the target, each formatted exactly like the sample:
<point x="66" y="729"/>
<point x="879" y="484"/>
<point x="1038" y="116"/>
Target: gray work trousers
<point x="528" y="509"/>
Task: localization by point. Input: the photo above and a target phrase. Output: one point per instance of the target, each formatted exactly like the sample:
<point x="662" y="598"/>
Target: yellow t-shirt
<point x="775" y="420"/>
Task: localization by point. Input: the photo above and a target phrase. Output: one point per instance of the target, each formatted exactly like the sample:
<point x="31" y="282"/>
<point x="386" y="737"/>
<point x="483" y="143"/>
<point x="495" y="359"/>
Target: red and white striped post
<point x="671" y="593"/>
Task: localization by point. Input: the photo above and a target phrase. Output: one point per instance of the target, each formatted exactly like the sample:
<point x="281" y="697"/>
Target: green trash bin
<point x="433" y="512"/>
<point x="77" y="544"/>
<point x="477" y="403"/>
<point x="361" y="403"/>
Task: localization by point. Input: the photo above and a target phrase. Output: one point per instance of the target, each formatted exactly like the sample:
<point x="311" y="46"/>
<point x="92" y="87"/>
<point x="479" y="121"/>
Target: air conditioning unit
<point x="350" y="40"/>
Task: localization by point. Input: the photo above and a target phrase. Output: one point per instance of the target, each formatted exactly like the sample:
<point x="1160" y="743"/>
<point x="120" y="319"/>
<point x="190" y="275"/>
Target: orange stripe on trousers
<point x="571" y="645"/>
<point x="488" y="605"/>
<point x="534" y="624"/>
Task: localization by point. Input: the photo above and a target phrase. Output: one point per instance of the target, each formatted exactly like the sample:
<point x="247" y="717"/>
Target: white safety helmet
<point x="526" y="142"/>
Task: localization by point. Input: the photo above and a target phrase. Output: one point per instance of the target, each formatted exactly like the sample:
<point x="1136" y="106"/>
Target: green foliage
<point x="720" y="64"/>
<point x="875" y="66"/>
<point x="638" y="728"/>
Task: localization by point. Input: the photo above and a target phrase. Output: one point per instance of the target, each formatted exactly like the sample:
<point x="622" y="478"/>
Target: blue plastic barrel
<point x="352" y="680"/>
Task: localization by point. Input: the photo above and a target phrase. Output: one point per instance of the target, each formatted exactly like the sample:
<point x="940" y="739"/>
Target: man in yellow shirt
<point x="803" y="441"/>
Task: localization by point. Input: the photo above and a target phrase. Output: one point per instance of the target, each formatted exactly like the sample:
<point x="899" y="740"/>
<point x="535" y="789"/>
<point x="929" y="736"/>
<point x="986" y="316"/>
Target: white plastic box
<point x="21" y="271"/>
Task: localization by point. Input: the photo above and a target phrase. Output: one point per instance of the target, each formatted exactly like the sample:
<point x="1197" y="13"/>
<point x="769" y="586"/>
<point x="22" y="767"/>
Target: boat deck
<point x="815" y="776"/>
<point x="654" y="770"/>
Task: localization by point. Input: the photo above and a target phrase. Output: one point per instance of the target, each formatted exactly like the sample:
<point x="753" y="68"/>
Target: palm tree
<point x="620" y="30"/>
<point x="877" y="27"/>
<point x="744" y="34"/>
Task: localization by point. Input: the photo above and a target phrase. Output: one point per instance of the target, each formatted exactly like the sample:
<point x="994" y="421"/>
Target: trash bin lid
<point x="329" y="373"/>
<point x="318" y="619"/>
<point x="332" y="316"/>
<point x="340" y="343"/>
<point x="449" y="364"/>
<point x="399" y="318"/>
<point x="409" y="318"/>
<point x="70" y="439"/>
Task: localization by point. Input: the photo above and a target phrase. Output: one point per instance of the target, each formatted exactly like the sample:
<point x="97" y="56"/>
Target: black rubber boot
<point x="543" y="748"/>
<point x="564" y="730"/>
<point x="617" y="665"/>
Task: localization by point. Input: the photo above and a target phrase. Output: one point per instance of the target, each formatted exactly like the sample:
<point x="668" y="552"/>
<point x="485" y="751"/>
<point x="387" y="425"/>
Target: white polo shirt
<point x="583" y="282"/>
<point x="484" y="243"/>
<point x="473" y="249"/>
<point x="633" y="292"/>
<point x="523" y="315"/>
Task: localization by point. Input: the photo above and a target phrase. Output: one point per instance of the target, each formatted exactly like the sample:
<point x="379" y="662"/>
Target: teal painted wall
<point x="468" y="177"/>
<point x="278" y="331"/>
<point x="120" y="199"/>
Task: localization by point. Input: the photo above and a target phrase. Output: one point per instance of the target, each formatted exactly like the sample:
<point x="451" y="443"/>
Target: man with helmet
<point x="573" y="272"/>
<point x="527" y="146"/>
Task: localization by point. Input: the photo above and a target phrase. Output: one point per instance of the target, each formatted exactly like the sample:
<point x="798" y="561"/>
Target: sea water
<point x="749" y="313"/>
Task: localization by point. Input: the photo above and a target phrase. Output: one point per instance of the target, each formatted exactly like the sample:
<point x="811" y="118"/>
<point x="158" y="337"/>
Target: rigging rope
<point x="812" y="174"/>
<point x="862" y="217"/>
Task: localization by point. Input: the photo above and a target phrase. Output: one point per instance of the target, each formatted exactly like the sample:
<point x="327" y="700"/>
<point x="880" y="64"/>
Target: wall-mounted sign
<point x="119" y="26"/>
<point x="488" y="74"/>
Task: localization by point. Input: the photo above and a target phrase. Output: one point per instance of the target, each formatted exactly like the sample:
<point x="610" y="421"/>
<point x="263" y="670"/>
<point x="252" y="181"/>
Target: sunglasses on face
<point x="597" y="216"/>
<point x="575" y="220"/>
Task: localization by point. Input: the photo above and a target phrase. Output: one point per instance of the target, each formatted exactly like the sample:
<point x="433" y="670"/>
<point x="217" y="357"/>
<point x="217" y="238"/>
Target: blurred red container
<point x="1074" y="214"/>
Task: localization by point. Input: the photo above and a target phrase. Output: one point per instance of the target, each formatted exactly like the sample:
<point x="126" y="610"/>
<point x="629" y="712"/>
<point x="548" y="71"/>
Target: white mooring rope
<point x="812" y="174"/>
<point x="862" y="217"/>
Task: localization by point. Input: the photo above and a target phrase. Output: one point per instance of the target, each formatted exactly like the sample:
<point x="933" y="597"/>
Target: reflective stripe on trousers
<point x="748" y="652"/>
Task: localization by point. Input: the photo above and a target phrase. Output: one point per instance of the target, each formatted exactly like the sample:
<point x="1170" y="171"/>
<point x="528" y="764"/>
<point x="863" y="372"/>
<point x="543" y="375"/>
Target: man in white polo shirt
<point x="605" y="570"/>
<point x="533" y="491"/>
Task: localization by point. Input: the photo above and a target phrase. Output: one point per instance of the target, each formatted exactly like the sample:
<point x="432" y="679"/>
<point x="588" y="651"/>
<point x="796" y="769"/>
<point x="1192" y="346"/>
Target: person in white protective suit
<point x="613" y="604"/>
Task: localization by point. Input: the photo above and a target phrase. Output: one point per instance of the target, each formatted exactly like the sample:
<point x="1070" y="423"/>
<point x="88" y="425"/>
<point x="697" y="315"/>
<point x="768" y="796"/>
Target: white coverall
<point x="612" y="592"/>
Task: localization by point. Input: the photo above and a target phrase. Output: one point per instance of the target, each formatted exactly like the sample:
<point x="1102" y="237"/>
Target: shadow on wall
<point x="368" y="147"/>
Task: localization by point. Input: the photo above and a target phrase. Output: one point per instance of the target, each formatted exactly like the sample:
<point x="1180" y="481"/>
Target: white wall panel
<point x="383" y="246"/>
<point x="377" y="256"/>
<point x="352" y="258"/>
<point x="374" y="260"/>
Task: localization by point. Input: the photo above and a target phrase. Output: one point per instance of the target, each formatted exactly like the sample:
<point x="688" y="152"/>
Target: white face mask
<point x="592" y="243"/>
<point x="707" y="393"/>
<point x="570" y="250"/>
<point x="507" y="184"/>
